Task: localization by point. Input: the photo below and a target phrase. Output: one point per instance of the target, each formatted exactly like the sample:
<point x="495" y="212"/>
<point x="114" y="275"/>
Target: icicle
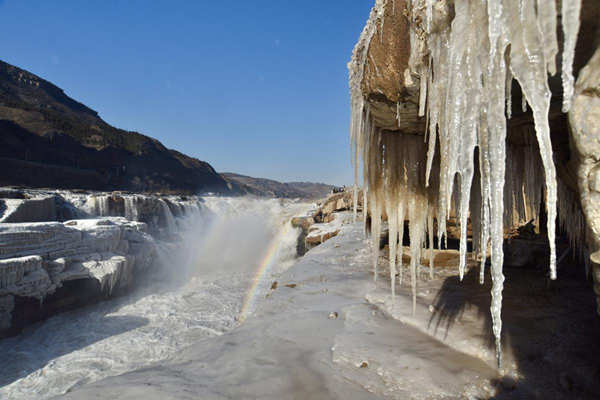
<point x="429" y="14"/>
<point x="528" y="67"/>
<point x="546" y="18"/>
<point x="382" y="24"/>
<point x="476" y="210"/>
<point x="430" y="212"/>
<point x="509" y="79"/>
<point x="356" y="127"/>
<point x="439" y="50"/>
<point x="369" y="128"/>
<point x="359" y="122"/>
<point x="400" y="251"/>
<point x="375" y="183"/>
<point x="486" y="193"/>
<point x="398" y="107"/>
<point x="423" y="89"/>
<point x="570" y="23"/>
<point x="465" y="93"/>
<point x="393" y="245"/>
<point x="495" y="25"/>
<point x="392" y="186"/>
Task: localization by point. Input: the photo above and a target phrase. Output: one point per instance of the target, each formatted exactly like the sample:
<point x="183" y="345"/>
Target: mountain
<point x="47" y="139"/>
<point x="271" y="188"/>
<point x="264" y="187"/>
<point x="313" y="190"/>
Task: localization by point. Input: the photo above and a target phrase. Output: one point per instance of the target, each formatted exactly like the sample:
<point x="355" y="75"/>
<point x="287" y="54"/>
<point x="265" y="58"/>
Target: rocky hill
<point x="264" y="187"/>
<point x="270" y="188"/>
<point x="313" y="190"/>
<point x="47" y="139"/>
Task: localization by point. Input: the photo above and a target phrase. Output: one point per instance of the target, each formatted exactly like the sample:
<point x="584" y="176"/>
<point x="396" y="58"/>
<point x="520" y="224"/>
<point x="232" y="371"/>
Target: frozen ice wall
<point x="466" y="54"/>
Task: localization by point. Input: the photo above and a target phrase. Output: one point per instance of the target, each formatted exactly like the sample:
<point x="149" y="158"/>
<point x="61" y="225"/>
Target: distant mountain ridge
<point x="271" y="188"/>
<point x="48" y="139"/>
<point x="312" y="189"/>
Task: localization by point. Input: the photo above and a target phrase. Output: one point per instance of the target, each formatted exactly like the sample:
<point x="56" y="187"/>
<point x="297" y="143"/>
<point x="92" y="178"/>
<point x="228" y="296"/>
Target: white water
<point x="201" y="296"/>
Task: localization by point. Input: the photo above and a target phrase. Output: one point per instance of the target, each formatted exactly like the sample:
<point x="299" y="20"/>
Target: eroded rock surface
<point x="36" y="259"/>
<point x="106" y="245"/>
<point x="584" y="118"/>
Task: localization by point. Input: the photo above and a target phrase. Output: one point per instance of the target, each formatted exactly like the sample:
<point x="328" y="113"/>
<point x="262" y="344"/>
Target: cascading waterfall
<point x="131" y="208"/>
<point x="99" y="205"/>
<point x="466" y="69"/>
<point x="167" y="215"/>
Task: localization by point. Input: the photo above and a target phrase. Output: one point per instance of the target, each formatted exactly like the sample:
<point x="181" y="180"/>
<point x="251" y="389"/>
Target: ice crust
<point x="466" y="69"/>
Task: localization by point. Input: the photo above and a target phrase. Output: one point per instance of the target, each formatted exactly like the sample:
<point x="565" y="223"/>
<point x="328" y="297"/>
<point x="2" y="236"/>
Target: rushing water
<point x="209" y="278"/>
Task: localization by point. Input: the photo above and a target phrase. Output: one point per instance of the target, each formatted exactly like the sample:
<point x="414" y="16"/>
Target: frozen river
<point x="230" y="256"/>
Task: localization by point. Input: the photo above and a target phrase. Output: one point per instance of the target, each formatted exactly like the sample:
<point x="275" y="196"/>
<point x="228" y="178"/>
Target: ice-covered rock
<point x="321" y="233"/>
<point x="39" y="209"/>
<point x="584" y="118"/>
<point x="103" y="244"/>
<point x="304" y="222"/>
<point x="162" y="214"/>
<point x="37" y="258"/>
<point x="23" y="276"/>
<point x="46" y="239"/>
<point x="336" y="202"/>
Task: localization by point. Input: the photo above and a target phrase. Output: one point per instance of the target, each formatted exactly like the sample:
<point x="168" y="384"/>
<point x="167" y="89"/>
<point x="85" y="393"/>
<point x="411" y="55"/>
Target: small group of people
<point x="338" y="190"/>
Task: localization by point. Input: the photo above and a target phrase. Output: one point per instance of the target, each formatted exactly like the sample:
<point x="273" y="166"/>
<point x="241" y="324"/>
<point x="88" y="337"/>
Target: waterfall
<point x="167" y="215"/>
<point x="131" y="208"/>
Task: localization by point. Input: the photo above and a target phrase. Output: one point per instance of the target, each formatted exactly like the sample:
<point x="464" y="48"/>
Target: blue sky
<point x="257" y="87"/>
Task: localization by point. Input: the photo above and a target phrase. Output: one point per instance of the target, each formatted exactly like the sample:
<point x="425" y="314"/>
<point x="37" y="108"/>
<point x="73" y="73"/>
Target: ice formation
<point x="465" y="166"/>
<point x="171" y="316"/>
<point x="94" y="241"/>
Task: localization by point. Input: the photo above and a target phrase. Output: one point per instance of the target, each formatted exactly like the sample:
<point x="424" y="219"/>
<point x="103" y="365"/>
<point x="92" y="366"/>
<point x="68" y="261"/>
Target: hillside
<point x="264" y="187"/>
<point x="47" y="139"/>
<point x="270" y="188"/>
<point x="313" y="190"/>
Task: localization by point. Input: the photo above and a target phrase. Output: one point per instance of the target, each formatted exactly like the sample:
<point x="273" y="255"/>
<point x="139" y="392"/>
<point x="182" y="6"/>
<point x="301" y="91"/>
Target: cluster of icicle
<point x="466" y="69"/>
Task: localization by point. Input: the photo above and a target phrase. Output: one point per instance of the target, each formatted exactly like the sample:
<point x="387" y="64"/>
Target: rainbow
<point x="263" y="269"/>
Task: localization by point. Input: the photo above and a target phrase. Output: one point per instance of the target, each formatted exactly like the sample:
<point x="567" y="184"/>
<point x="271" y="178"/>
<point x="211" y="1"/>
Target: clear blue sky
<point x="257" y="87"/>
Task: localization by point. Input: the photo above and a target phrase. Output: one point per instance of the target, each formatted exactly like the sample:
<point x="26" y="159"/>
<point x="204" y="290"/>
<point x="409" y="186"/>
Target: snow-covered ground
<point x="294" y="346"/>
<point x="326" y="332"/>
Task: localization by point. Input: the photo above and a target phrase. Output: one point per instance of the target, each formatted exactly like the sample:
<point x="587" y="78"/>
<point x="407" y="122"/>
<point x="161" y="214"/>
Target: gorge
<point x="463" y="264"/>
<point x="176" y="251"/>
